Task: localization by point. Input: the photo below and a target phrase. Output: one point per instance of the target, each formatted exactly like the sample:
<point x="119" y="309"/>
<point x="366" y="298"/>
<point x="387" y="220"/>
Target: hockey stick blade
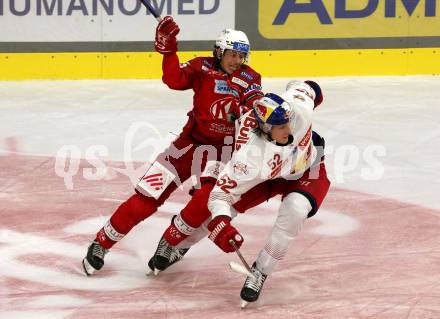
<point x="243" y="261"/>
<point x="240" y="269"/>
<point x="151" y="9"/>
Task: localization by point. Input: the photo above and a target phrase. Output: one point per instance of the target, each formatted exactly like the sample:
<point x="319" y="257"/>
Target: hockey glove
<point x="246" y="87"/>
<point x="166" y="31"/>
<point x="222" y="231"/>
<point x="318" y="92"/>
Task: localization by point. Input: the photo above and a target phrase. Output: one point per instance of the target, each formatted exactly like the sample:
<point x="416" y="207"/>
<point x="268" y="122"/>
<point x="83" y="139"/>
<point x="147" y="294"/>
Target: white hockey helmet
<point x="230" y="39"/>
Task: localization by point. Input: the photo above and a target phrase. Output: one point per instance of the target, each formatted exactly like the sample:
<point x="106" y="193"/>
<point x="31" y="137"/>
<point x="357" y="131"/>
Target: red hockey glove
<point x="166" y="31"/>
<point x="222" y="231"/>
<point x="247" y="87"/>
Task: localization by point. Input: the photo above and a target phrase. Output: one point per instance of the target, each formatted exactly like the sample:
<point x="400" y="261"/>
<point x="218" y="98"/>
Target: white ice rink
<point x="372" y="251"/>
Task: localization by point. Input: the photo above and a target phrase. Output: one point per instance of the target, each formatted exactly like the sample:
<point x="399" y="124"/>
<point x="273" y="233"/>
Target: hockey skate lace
<point x="164" y="249"/>
<point x="175" y="255"/>
<point x="257" y="283"/>
<point x="99" y="251"/>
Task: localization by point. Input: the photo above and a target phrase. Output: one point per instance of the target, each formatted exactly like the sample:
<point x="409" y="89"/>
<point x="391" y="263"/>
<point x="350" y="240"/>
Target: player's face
<point x="280" y="133"/>
<point x="232" y="60"/>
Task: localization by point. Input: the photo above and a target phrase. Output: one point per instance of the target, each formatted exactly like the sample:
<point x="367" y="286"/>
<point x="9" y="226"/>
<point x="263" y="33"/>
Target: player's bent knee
<point x="297" y="203"/>
<point x="293" y="211"/>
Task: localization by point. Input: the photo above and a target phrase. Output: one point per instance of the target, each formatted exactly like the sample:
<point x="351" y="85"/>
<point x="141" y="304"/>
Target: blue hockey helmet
<point x="272" y="110"/>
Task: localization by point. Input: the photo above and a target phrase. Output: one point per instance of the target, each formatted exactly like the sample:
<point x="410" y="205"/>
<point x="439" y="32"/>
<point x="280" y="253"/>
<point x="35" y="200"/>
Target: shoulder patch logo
<point x="239" y="82"/>
<point x="247" y="75"/>
<point x="206" y="62"/>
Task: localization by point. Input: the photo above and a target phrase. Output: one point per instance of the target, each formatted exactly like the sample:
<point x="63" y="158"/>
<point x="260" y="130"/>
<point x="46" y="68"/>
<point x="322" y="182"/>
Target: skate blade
<point x="88" y="269"/>
<point x="243" y="304"/>
<point x="149" y="272"/>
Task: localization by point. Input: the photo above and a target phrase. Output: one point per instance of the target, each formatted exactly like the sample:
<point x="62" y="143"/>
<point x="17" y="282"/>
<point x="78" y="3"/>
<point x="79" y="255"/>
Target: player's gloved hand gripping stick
<point x="238" y="268"/>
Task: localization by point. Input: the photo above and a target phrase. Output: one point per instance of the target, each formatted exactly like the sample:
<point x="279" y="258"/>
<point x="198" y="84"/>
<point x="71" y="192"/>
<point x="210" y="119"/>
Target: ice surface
<point x="372" y="251"/>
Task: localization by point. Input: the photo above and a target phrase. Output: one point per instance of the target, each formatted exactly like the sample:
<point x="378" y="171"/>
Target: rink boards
<point x="105" y="39"/>
<point x="284" y="63"/>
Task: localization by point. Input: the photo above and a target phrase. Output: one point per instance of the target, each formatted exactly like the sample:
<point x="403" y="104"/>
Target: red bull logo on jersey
<point x="246" y="125"/>
<point x="306" y="139"/>
<point x="295" y="19"/>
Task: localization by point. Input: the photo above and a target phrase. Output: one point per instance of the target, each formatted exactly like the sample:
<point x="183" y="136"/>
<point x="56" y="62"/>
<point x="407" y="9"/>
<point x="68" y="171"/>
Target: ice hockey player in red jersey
<point x="222" y="85"/>
<point x="280" y="155"/>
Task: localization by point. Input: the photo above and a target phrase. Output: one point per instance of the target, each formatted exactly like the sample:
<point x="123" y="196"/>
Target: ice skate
<point x="94" y="259"/>
<point x="164" y="257"/>
<point x="252" y="286"/>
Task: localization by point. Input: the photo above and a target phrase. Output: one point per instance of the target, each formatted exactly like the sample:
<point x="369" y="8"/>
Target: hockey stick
<point x="238" y="268"/>
<point x="150" y="8"/>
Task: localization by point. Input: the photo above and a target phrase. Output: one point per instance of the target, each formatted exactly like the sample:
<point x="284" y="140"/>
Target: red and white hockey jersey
<point x="215" y="103"/>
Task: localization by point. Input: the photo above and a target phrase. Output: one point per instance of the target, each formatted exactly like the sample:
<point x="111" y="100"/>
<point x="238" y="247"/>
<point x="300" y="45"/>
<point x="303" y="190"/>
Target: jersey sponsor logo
<point x="247" y="124"/>
<point x="253" y="87"/>
<point x="222" y="87"/>
<point x="222" y="129"/>
<point x="306" y="139"/>
<point x="240" y="82"/>
<point x="206" y="62"/>
<point x="247" y="75"/>
<point x="285" y="19"/>
<point x="221" y="108"/>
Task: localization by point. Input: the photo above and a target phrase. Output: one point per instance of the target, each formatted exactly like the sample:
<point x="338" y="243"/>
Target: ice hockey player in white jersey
<point x="276" y="152"/>
<point x="283" y="153"/>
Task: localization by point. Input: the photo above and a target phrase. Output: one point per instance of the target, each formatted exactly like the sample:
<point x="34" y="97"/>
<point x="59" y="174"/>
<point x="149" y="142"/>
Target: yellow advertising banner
<point x="313" y="19"/>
